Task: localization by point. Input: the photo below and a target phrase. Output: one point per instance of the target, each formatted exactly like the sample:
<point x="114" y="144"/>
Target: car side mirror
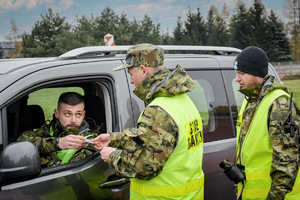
<point x="20" y="161"/>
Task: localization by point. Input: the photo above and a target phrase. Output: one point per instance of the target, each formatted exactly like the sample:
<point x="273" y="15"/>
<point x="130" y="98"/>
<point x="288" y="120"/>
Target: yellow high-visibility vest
<point x="182" y="176"/>
<point x="256" y="153"/>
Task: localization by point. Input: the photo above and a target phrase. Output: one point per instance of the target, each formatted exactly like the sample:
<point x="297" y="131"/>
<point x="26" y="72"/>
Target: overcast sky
<point x="165" y="12"/>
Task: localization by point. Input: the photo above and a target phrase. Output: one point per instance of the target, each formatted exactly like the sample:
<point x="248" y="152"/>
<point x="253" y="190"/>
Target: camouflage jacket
<point x="156" y="131"/>
<point x="47" y="145"/>
<point x="285" y="156"/>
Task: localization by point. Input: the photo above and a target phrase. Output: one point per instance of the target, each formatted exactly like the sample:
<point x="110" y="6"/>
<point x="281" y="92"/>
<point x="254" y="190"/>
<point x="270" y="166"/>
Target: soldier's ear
<point x="56" y="113"/>
<point x="145" y="70"/>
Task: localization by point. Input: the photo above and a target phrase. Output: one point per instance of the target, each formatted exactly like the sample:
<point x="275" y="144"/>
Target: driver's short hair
<point x="70" y="98"/>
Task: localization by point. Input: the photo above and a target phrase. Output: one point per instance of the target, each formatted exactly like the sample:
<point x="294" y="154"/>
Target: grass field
<point x="294" y="86"/>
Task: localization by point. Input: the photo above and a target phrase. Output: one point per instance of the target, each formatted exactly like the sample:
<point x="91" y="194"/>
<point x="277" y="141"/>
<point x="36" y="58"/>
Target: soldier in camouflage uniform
<point x="252" y="67"/>
<point x="144" y="150"/>
<point x="69" y="129"/>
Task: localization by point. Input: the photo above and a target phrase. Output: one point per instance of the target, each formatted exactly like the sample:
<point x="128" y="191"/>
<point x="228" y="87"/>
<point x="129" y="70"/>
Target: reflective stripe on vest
<point x="182" y="176"/>
<point x="256" y="154"/>
<point x="66" y="154"/>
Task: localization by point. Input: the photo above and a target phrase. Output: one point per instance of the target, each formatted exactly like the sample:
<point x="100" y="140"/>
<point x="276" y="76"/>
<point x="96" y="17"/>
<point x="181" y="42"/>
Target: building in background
<point x="8" y="49"/>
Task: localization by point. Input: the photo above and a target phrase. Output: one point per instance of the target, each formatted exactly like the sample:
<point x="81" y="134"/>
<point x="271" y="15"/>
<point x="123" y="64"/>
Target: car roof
<point x="8" y="65"/>
<point x="83" y="54"/>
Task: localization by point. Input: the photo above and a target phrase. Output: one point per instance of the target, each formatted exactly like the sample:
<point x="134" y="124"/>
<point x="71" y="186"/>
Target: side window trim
<point x="107" y="105"/>
<point x="3" y="127"/>
<point x="228" y="102"/>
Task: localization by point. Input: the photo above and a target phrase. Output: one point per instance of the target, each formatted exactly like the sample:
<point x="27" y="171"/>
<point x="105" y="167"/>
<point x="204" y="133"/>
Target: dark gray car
<point x="27" y="84"/>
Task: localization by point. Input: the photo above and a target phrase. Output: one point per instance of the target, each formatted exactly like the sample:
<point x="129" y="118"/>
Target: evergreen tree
<point x="291" y="9"/>
<point x="104" y="24"/>
<point x="134" y="29"/>
<point x="217" y="28"/>
<point x="258" y="24"/>
<point x="84" y="31"/>
<point x="42" y="41"/>
<point x="225" y="13"/>
<point x="221" y="33"/>
<point x="123" y="33"/>
<point x="149" y="32"/>
<point x="195" y="29"/>
<point x="1" y="52"/>
<point x="66" y="42"/>
<point x="166" y="38"/>
<point x="178" y="35"/>
<point x="281" y="49"/>
<point x="211" y="27"/>
<point x="240" y="27"/>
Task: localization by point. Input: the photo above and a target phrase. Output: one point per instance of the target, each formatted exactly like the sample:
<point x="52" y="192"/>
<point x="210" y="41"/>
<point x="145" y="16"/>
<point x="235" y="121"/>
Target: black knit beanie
<point x="252" y="60"/>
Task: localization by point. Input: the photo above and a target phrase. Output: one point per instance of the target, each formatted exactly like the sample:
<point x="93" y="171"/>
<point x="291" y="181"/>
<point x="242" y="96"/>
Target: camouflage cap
<point x="145" y="54"/>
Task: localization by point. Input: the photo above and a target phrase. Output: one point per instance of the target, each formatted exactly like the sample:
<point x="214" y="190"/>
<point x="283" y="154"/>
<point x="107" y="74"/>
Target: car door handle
<point x="114" y="183"/>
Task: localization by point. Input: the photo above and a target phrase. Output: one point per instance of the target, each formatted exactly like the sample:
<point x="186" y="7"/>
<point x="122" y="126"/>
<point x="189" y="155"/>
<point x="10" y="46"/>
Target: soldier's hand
<point x="71" y="142"/>
<point x="101" y="141"/>
<point x="106" y="151"/>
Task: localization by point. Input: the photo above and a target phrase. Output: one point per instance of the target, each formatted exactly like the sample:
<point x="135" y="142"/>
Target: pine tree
<point x="258" y="24"/>
<point x="84" y="31"/>
<point x="42" y="42"/>
<point x="123" y="34"/>
<point x="195" y="29"/>
<point x="104" y="24"/>
<point x="291" y="10"/>
<point x="149" y="32"/>
<point x="211" y="25"/>
<point x="166" y="38"/>
<point x="281" y="49"/>
<point x="240" y="27"/>
<point x="221" y="33"/>
<point x="178" y="34"/>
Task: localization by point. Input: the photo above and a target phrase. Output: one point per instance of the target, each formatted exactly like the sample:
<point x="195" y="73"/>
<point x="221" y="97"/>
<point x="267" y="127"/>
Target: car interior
<point x="26" y="114"/>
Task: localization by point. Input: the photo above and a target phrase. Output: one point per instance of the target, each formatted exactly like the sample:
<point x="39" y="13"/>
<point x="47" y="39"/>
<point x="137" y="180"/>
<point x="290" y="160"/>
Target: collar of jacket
<point x="164" y="84"/>
<point x="263" y="88"/>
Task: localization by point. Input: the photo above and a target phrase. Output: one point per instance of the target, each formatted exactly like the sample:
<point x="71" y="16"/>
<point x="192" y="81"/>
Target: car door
<point x="77" y="180"/>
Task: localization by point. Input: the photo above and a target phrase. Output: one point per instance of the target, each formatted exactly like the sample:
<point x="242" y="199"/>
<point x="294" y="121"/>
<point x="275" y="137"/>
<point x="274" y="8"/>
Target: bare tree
<point x="16" y="37"/>
<point x="291" y="10"/>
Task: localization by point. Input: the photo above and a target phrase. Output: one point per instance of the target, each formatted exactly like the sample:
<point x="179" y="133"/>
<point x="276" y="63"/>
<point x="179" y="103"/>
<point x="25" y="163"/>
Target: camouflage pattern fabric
<point x="47" y="145"/>
<point x="285" y="155"/>
<point x="156" y="129"/>
<point x="145" y="54"/>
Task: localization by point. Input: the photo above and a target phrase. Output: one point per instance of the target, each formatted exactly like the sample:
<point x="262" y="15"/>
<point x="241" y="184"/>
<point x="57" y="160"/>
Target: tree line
<point x="53" y="36"/>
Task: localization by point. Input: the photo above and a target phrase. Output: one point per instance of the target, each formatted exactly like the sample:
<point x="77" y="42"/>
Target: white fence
<point x="287" y="68"/>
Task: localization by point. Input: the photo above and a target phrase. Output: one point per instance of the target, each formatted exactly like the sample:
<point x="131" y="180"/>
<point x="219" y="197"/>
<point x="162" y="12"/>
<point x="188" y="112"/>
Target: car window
<point x="198" y="95"/>
<point x="47" y="98"/>
<point x="40" y="105"/>
<point x="209" y="96"/>
<point x="234" y="96"/>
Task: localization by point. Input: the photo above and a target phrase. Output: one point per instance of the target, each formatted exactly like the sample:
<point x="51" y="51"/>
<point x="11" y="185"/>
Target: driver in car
<point x="66" y="138"/>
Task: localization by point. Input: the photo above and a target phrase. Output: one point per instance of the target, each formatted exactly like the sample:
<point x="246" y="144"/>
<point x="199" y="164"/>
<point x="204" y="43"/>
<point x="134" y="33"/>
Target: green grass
<point x="294" y="86"/>
<point x="48" y="98"/>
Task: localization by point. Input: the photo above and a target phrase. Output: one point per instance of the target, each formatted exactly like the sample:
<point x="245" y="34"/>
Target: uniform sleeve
<point x="285" y="152"/>
<point x="144" y="150"/>
<point x="44" y="143"/>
